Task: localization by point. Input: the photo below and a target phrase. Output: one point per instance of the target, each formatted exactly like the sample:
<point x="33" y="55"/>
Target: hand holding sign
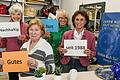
<point x="22" y="37"/>
<point x="32" y="63"/>
<point x="1" y="61"/>
<point x="62" y="51"/>
<point x="88" y="52"/>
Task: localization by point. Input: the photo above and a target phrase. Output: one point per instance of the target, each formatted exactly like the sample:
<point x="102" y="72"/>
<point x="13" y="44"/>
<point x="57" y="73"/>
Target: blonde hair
<point x="16" y="8"/>
<point x="39" y="23"/>
<point x="61" y="12"/>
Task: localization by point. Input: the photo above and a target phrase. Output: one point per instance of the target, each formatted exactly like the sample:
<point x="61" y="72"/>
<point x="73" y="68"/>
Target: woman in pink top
<point x="80" y="20"/>
<point x="14" y="43"/>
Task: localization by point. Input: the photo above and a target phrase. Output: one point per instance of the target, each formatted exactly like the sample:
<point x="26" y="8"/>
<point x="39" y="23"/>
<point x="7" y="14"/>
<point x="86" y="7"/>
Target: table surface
<point x="89" y="75"/>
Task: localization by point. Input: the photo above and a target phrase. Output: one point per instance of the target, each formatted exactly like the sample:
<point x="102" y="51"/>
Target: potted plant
<point x="40" y="73"/>
<point x="57" y="73"/>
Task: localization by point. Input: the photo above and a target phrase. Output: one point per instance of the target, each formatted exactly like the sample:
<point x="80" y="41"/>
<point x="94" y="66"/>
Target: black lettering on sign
<point x="49" y="26"/>
<point x="79" y="47"/>
<point x="7" y="29"/>
<point x="14" y="61"/>
<point x="69" y="47"/>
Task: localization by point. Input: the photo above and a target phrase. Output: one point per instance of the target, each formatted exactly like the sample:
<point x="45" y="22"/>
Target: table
<point x="88" y="75"/>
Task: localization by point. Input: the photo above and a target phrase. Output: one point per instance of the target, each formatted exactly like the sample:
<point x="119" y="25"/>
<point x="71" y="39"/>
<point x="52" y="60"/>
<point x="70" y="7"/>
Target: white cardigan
<point x="43" y="53"/>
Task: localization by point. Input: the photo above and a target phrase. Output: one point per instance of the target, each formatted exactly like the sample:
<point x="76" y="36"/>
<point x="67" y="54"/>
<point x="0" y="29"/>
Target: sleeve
<point x="3" y="42"/>
<point x="49" y="61"/>
<point x="50" y="40"/>
<point x="23" y="48"/>
<point x="61" y="44"/>
<point x="24" y="32"/>
<point x="93" y="48"/>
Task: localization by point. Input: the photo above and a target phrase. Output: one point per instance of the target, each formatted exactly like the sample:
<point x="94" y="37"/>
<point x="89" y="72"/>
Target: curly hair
<point x="16" y="8"/>
<point x="39" y="23"/>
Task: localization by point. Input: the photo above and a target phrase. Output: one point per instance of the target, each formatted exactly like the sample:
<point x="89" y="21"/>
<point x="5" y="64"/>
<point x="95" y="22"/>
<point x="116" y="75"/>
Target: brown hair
<point x="84" y="14"/>
<point x="39" y="23"/>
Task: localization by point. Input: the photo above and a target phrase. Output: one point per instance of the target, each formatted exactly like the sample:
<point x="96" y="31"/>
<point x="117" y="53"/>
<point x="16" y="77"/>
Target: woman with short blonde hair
<point x="55" y="37"/>
<point x="62" y="12"/>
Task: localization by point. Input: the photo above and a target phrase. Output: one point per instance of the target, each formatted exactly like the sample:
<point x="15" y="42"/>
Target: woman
<point x="80" y="20"/>
<point x="14" y="43"/>
<point x="55" y="37"/>
<point x="40" y="51"/>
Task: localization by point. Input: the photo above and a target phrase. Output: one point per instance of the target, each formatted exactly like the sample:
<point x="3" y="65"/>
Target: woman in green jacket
<point x="55" y="37"/>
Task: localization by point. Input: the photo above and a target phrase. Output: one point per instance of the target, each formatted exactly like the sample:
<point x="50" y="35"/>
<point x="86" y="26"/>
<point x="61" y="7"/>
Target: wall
<point x="73" y="5"/>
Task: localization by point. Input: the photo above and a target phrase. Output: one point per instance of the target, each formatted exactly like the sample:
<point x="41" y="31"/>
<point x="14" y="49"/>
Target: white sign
<point x="75" y="47"/>
<point x="9" y="29"/>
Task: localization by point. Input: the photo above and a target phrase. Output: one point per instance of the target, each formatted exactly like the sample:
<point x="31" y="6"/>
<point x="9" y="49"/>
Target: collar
<point x="81" y="33"/>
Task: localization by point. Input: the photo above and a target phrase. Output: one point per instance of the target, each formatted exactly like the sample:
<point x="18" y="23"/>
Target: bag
<point x="49" y="1"/>
<point x="9" y="6"/>
<point x="105" y="73"/>
<point x="53" y="9"/>
<point x="30" y="11"/>
<point x="44" y="11"/>
<point x="3" y="9"/>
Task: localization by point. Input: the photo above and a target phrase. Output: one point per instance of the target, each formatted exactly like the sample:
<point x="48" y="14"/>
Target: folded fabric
<point x="105" y="73"/>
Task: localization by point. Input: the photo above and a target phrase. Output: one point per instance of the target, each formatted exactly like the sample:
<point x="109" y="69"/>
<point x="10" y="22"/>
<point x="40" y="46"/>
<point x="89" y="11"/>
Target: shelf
<point x="1" y="15"/>
<point x="56" y="4"/>
<point x="36" y="3"/>
<point x="27" y="17"/>
<point x="13" y="1"/>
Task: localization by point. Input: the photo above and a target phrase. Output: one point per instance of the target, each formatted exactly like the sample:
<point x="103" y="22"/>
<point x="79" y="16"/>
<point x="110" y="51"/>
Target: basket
<point x="30" y="11"/>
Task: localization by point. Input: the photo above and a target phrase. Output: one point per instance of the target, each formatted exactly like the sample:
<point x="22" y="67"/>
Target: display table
<point x="89" y="75"/>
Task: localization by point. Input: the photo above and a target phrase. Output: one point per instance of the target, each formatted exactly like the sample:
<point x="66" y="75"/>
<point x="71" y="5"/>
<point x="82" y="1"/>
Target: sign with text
<point x="15" y="61"/>
<point x="51" y="25"/>
<point x="9" y="29"/>
<point x="75" y="47"/>
<point x="108" y="45"/>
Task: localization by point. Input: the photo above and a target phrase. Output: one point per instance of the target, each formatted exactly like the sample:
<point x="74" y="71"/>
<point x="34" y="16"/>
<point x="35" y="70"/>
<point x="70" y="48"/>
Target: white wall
<point x="72" y="5"/>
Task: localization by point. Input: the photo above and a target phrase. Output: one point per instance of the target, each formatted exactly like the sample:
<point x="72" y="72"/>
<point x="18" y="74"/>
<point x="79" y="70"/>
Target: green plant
<point x="39" y="72"/>
<point x="57" y="71"/>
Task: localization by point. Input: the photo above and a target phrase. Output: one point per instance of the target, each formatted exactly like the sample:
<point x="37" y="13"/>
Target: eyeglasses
<point x="65" y="18"/>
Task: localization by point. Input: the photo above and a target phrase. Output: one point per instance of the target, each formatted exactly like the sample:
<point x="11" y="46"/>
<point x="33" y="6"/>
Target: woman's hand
<point x="1" y="61"/>
<point x="0" y="37"/>
<point x="32" y="63"/>
<point x="88" y="52"/>
<point x="62" y="50"/>
<point x="22" y="37"/>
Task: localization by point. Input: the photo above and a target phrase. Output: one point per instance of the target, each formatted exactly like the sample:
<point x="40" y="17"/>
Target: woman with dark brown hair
<point x="80" y="21"/>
